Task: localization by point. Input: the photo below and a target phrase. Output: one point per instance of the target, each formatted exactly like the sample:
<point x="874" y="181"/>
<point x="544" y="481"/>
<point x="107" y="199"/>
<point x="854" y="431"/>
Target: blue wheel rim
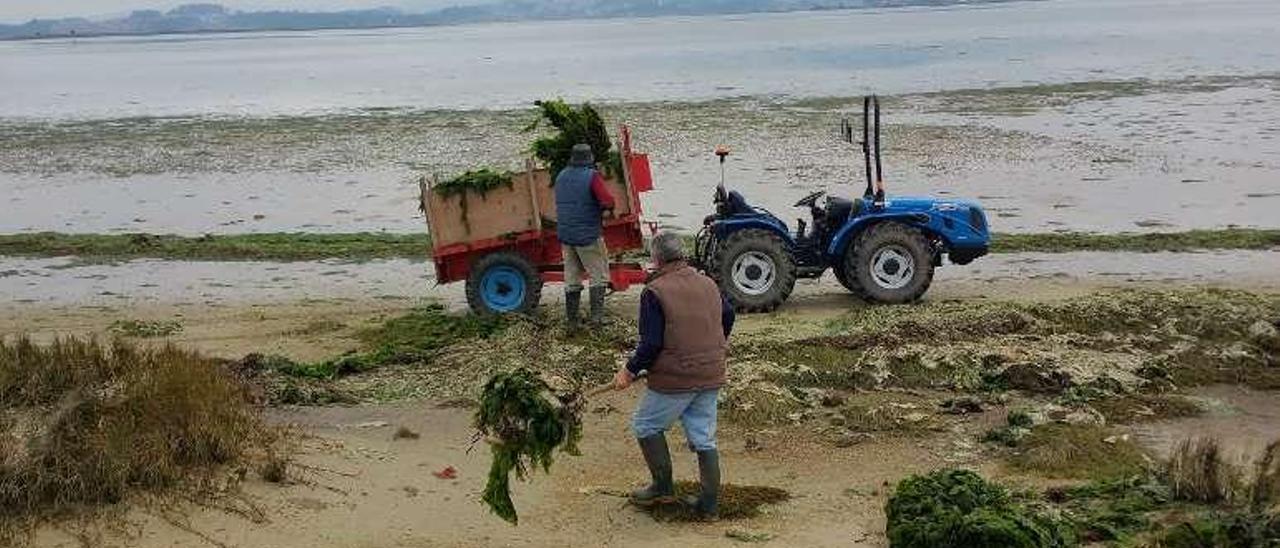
<point x="502" y="289"/>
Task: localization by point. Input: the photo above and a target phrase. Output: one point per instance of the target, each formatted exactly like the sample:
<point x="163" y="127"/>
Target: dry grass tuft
<point x="84" y="424"/>
<point x="1198" y="471"/>
<point x="1078" y="451"/>
<point x="1265" y="483"/>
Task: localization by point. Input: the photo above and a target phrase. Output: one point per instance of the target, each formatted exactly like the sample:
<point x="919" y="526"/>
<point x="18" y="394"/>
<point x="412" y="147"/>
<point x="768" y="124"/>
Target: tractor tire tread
<point x="786" y="268"/>
<point x="913" y="238"/>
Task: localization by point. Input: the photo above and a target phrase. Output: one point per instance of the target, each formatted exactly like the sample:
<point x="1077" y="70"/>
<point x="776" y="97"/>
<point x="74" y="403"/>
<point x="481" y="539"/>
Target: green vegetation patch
<point x="85" y="424"/>
<point x="1077" y="451"/>
<point x="413" y="338"/>
<point x="1148" y="242"/>
<point x="230" y="247"/>
<point x="380" y="245"/>
<point x="958" y="508"/>
<point x="524" y="423"/>
<point x="1117" y="509"/>
<point x="573" y="126"/>
<point x="736" y="502"/>
<point x="1223" y="529"/>
<point x="479" y="181"/>
<point x="144" y="329"/>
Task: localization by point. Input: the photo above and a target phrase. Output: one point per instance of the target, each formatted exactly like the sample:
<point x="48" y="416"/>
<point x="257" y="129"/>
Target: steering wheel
<point x="811" y="199"/>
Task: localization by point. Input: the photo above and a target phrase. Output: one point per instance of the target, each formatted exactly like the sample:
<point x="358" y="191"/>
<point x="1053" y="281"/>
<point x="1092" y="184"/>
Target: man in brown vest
<point x="684" y="330"/>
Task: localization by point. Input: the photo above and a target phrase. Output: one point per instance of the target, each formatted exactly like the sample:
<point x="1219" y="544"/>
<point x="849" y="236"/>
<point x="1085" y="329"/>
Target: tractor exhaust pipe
<point x="875" y="100"/>
<point x="866" y="143"/>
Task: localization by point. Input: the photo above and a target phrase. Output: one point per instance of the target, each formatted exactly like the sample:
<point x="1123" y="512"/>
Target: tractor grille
<point x="977" y="219"/>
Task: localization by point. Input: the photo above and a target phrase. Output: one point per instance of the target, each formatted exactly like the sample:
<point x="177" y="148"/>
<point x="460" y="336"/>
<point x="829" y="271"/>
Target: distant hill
<point x="193" y="18"/>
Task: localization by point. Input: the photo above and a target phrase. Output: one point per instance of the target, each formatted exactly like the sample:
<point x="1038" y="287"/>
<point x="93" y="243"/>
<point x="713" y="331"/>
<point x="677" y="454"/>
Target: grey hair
<point x="667" y="247"/>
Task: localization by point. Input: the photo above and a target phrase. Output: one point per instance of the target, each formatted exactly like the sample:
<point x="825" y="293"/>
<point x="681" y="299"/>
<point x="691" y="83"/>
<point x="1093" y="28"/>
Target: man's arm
<point x="727" y="315"/>
<point x="653" y="326"/>
<point x="601" y="192"/>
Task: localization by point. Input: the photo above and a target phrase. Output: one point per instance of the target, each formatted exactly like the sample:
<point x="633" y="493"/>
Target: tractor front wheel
<point x="890" y="263"/>
<point x="503" y="283"/>
<point x="755" y="269"/>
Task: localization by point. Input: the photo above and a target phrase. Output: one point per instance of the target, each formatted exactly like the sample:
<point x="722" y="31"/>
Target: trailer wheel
<point x="890" y="263"/>
<point x="755" y="269"/>
<point x="503" y="283"/>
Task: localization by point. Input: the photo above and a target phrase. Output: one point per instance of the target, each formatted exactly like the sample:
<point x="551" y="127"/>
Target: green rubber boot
<point x="573" y="309"/>
<point x="597" y="305"/>
<point x="658" y="458"/>
<point x="707" y="504"/>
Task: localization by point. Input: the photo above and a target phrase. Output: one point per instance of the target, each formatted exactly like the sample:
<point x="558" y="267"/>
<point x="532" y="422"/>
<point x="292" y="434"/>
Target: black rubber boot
<point x="597" y="304"/>
<point x="707" y="504"/>
<point x="573" y="309"/>
<point x="658" y="458"/>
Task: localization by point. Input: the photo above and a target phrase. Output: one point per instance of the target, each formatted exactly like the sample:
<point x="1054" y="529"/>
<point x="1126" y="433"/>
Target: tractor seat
<point x="737" y="204"/>
<point x="839" y="210"/>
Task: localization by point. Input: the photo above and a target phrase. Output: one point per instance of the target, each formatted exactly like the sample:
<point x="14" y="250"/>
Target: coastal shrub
<point x="85" y="424"/>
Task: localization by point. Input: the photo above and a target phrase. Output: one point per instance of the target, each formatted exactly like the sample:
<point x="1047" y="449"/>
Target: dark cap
<point x="581" y="156"/>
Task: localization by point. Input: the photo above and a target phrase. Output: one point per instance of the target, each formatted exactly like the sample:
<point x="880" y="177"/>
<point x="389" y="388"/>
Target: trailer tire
<point x="890" y="263"/>
<point x="503" y="283"/>
<point x="755" y="269"/>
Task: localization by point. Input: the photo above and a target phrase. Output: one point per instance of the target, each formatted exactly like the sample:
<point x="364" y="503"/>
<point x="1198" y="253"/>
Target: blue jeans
<point x="696" y="411"/>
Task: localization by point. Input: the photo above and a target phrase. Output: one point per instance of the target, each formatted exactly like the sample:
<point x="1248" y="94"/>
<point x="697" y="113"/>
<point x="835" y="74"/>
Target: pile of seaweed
<point x="574" y="125"/>
<point x="958" y="508"/>
<point x="479" y="181"/>
<point x="525" y="422"/>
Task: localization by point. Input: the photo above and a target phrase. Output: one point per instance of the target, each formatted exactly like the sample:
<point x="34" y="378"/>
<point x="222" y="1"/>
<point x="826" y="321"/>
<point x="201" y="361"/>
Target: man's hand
<point x="622" y="379"/>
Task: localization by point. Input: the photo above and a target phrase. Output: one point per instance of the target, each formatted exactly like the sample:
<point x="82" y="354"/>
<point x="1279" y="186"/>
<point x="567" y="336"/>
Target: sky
<point x="15" y="11"/>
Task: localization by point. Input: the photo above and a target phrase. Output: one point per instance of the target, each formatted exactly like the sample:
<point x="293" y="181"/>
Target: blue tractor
<point x="883" y="249"/>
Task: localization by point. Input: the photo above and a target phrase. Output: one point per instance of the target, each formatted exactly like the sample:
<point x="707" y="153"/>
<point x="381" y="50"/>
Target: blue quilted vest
<point x="577" y="211"/>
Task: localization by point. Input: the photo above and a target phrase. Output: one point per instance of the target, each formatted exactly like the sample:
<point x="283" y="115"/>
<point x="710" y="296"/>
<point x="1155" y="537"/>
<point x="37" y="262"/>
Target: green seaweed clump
<point x="524" y="423"/>
<point x="957" y="508"/>
<point x="1225" y="530"/>
<point x="415" y="337"/>
<point x="574" y="125"/>
<point x="479" y="181"/>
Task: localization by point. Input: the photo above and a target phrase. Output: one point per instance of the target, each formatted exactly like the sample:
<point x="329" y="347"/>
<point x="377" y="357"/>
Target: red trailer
<point x="503" y="243"/>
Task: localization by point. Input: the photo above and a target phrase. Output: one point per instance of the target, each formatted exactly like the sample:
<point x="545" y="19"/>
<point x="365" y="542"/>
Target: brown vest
<point x="694" y="346"/>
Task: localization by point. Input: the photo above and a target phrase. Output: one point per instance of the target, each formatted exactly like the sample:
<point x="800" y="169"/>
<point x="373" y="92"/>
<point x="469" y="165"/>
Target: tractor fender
<point x="725" y="227"/>
<point x="845" y="236"/>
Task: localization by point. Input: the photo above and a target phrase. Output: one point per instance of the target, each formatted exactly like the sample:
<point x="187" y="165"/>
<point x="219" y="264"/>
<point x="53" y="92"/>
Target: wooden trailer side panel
<point x="547" y="195"/>
<point x="470" y="217"/>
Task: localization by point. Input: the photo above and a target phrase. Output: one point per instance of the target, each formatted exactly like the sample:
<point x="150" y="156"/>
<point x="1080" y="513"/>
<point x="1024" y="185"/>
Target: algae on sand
<point x="959" y="509"/>
<point x="736" y="502"/>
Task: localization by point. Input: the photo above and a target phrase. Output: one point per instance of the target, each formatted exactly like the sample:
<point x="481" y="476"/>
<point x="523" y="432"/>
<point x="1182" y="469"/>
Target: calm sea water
<point x="496" y="65"/>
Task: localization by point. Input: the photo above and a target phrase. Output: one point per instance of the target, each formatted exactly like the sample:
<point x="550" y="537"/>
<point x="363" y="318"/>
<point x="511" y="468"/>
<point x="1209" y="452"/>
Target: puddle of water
<point x="1242" y="419"/>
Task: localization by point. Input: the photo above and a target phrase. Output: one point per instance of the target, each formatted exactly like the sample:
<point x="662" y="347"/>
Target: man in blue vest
<point x="581" y="202"/>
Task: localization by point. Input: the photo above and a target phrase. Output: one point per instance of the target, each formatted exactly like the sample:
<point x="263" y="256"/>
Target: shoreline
<point x="365" y="246"/>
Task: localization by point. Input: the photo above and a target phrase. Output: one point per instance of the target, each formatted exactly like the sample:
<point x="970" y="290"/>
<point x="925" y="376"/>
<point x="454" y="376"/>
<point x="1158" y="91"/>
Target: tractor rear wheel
<point x="843" y="278"/>
<point x="503" y="283"/>
<point x="755" y="269"/>
<point x="890" y="263"/>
